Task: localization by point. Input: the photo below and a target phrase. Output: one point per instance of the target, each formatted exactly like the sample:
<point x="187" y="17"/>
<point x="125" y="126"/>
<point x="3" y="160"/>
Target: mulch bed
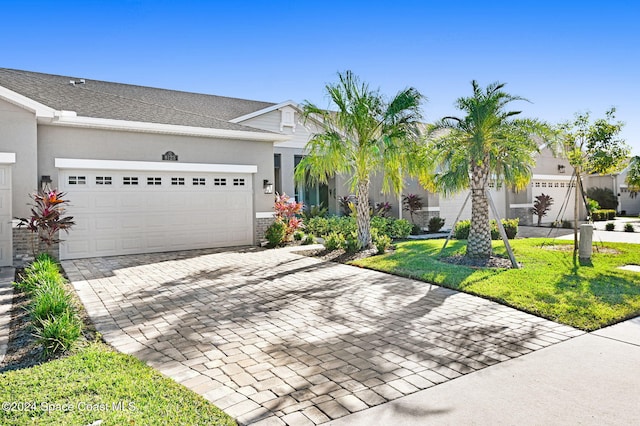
<point x="339" y="256"/>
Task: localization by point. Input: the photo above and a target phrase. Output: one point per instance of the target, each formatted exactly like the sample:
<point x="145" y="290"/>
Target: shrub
<point x="602" y="215"/>
<point x="315" y="211"/>
<point x="47" y="216"/>
<point x="628" y="227"/>
<point x="42" y="271"/>
<point x="317" y="226"/>
<point x="275" y="233"/>
<point x="381" y="242"/>
<point x="567" y="224"/>
<point x="381" y="209"/>
<point x="347" y="204"/>
<point x="411" y="203"/>
<point x="351" y="243"/>
<point x="49" y="301"/>
<point x="334" y="241"/>
<point x="604" y="196"/>
<point x="59" y="333"/>
<point x="400" y="228"/>
<point x="435" y="224"/>
<point x="308" y="239"/>
<point x="287" y="212"/>
<point x="461" y="230"/>
<point x="592" y="206"/>
<point x="511" y="227"/>
<point x="610" y="226"/>
<point x="541" y="206"/>
<point x="298" y="236"/>
<point x="416" y="229"/>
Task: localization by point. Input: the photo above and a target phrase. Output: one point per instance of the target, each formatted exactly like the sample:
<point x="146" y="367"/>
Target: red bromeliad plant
<point x="288" y="211"/>
<point x="47" y="216"/>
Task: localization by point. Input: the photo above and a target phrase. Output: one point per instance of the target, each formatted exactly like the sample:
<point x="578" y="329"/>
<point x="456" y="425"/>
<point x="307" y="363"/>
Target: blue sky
<point x="564" y="56"/>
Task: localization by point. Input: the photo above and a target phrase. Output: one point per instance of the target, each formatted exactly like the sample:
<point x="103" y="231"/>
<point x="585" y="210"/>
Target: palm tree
<point x="365" y="134"/>
<point x="487" y="143"/>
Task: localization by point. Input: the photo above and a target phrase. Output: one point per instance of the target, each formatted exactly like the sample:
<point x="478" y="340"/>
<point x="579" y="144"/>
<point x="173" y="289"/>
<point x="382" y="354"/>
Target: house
<point x="151" y="170"/>
<point x="628" y="201"/>
<point x="145" y="169"/>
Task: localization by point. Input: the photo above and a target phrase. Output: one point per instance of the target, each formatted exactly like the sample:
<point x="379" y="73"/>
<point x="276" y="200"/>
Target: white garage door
<point x="6" y="255"/>
<point x="557" y="189"/>
<point x="144" y="211"/>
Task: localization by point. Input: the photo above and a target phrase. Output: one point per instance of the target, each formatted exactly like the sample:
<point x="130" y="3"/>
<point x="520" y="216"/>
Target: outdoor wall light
<point x="268" y="186"/>
<point x="45" y="180"/>
<point x="560" y="168"/>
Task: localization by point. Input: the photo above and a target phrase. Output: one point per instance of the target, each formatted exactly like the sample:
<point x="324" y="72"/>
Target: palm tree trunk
<point x="479" y="243"/>
<point x="363" y="219"/>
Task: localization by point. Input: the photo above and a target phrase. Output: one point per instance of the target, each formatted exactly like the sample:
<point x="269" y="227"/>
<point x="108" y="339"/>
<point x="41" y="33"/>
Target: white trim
<point x="429" y="209"/>
<point x="551" y="177"/>
<point x="263" y="111"/>
<point x="68" y="119"/>
<point x="521" y="206"/>
<point x="26" y="103"/>
<point x="7" y="157"/>
<point x="77" y="163"/>
<point x="265" y="215"/>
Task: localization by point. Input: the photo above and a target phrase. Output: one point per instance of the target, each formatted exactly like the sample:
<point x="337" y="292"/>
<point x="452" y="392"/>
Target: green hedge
<point x="602" y="215"/>
<point x="462" y="229"/>
<point x="346" y="226"/>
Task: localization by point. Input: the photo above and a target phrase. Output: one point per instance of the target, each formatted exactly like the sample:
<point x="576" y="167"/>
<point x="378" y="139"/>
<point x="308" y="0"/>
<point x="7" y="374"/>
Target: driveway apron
<point x="273" y="337"/>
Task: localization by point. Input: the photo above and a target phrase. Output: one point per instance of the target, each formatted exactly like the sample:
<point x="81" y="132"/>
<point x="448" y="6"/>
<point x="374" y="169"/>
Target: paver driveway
<point x="277" y="338"/>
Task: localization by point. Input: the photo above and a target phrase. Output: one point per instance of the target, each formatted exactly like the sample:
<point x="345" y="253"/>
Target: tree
<point x="633" y="176"/>
<point x="541" y="206"/>
<point x="605" y="197"/>
<point x="592" y="148"/>
<point x="487" y="143"/>
<point x="364" y="135"/>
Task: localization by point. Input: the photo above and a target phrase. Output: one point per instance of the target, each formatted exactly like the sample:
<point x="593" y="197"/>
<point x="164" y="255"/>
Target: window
<point x="77" y="180"/>
<point x="537" y="184"/>
<point x="238" y="182"/>
<point x="491" y="185"/>
<point x="127" y="180"/>
<point x="177" y="181"/>
<point x="219" y="182"/>
<point x="103" y="180"/>
<point x="556" y="185"/>
<point x="624" y="190"/>
<point x="544" y="184"/>
<point x="154" y="181"/>
<point x="561" y="184"/>
<point x="198" y="181"/>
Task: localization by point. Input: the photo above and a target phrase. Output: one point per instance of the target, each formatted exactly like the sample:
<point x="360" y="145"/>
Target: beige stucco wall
<point x="65" y="142"/>
<point x="18" y="134"/>
<point x="547" y="164"/>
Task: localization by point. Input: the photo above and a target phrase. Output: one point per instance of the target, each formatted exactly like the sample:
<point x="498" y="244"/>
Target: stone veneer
<point x="23" y="247"/>
<point x="261" y="227"/>
<point x="524" y="214"/>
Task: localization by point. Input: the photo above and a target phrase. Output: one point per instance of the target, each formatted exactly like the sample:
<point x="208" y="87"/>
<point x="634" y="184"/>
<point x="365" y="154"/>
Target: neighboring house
<point x="628" y="201"/>
<point x="145" y="169"/>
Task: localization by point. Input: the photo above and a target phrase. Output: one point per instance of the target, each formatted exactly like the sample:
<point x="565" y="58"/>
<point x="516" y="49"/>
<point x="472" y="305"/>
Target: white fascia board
<point x="40" y="110"/>
<point x="551" y="177"/>
<point x="521" y="206"/>
<point x="263" y="111"/>
<point x="69" y="120"/>
<point x="78" y="163"/>
<point x="7" y="157"/>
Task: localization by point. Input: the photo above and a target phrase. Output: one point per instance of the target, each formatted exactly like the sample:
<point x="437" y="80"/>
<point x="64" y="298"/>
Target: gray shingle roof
<point x="102" y="99"/>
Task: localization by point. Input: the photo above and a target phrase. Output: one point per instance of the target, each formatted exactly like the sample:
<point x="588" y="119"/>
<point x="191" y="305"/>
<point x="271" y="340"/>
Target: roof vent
<point x="76" y="82"/>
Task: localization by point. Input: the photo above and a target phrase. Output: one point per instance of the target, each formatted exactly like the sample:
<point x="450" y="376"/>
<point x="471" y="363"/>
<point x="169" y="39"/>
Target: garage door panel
<point x="125" y="218"/>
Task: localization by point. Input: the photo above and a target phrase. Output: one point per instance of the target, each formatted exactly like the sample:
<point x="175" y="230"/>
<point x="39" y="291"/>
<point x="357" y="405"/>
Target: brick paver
<point x="276" y="338"/>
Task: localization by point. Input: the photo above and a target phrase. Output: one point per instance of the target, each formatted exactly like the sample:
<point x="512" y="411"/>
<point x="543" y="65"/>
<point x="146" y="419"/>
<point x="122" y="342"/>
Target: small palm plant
<point x="541" y="206"/>
<point x="47" y="217"/>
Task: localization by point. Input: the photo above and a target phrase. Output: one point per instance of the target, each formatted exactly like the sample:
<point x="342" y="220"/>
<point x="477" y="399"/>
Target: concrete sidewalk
<point x="592" y="379"/>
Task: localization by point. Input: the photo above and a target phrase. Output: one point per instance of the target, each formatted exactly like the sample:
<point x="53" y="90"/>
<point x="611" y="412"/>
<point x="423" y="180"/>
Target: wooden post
<point x="503" y="233"/>
<point x="454" y="223"/>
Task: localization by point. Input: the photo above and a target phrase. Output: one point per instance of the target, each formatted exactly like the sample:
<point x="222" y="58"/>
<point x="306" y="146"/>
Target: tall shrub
<point x="47" y="217"/>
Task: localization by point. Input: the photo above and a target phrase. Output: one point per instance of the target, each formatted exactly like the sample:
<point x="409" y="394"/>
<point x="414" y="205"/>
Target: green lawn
<point x="547" y="285"/>
<point x="83" y="388"/>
